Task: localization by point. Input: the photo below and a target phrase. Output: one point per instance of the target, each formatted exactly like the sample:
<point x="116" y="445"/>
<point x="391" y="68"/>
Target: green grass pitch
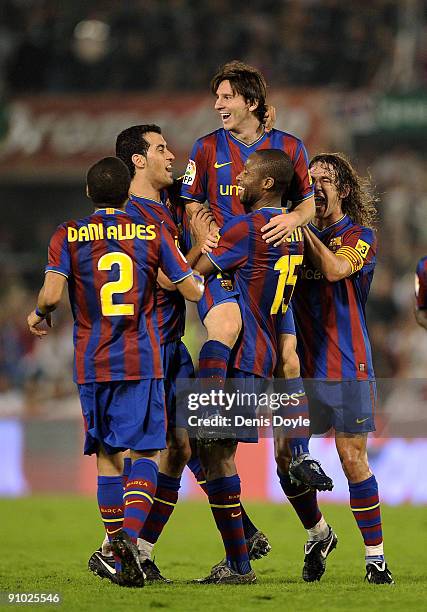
<point x="46" y="542"/>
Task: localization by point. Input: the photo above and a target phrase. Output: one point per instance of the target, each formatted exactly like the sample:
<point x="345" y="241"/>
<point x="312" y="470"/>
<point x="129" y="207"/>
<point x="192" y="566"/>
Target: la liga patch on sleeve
<point x="190" y="173"/>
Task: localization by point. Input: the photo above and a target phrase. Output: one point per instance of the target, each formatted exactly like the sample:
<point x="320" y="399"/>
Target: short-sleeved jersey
<point x="421" y="284"/>
<point x="170" y="305"/>
<point x="265" y="277"/>
<point x="332" y="335"/>
<point x="217" y="159"/>
<point x="111" y="262"/>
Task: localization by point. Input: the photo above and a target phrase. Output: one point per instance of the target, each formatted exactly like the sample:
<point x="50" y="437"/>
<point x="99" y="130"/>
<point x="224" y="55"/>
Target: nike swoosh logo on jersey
<point x="217" y="165"/>
<point x="359" y="421"/>
<point x="236" y="515"/>
<point x="107" y="566"/>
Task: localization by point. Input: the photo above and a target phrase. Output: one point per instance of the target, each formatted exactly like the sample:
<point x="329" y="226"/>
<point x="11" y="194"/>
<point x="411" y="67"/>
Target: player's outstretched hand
<point x="34" y="320"/>
<point x="279" y="228"/>
<point x="269" y="118"/>
<point x="211" y="241"/>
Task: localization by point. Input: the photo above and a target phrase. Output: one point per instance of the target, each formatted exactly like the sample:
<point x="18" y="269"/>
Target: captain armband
<point x="354" y="258"/>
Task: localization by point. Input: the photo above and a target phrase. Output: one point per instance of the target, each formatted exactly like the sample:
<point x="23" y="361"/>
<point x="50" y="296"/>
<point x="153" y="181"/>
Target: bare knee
<point x="153" y="455"/>
<point x="109" y="465"/>
<point x="178" y="453"/>
<point x="224" y="323"/>
<point x="218" y="460"/>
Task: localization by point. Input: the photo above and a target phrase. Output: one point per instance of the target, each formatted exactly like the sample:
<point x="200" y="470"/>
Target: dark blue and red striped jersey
<point x="421" y="284"/>
<point x="265" y="277"/>
<point x="170" y="305"/>
<point x="217" y="159"/>
<point x="333" y="341"/>
<point x="111" y="261"/>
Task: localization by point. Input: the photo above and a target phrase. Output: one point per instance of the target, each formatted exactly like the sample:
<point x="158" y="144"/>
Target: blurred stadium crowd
<point x="63" y="46"/>
<point x="143" y="45"/>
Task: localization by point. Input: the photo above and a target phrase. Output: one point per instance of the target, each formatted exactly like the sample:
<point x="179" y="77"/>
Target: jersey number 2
<point x="123" y="284"/>
<point x="287" y="266"/>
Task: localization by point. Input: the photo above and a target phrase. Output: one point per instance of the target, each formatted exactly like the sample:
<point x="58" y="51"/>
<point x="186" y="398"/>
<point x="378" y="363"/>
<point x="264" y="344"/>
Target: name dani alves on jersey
<point x="97" y="231"/>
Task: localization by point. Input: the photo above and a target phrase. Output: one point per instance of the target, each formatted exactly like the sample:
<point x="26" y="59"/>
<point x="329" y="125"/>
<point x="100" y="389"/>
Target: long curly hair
<point x="360" y="203"/>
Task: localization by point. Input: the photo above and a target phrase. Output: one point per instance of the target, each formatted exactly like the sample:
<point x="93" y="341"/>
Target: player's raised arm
<point x="48" y="300"/>
<point x="282" y="226"/>
<point x="269" y="118"/>
<point x="302" y="194"/>
<point x="192" y="207"/>
<point x="333" y="266"/>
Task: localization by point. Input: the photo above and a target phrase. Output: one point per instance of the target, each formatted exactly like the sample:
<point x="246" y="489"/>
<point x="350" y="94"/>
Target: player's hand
<point x="279" y="228"/>
<point x="34" y="320"/>
<point x="211" y="241"/>
<point x="269" y="118"/>
<point x="200" y="224"/>
<point x="191" y="208"/>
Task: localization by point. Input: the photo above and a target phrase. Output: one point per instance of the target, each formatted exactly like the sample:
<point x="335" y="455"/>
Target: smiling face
<point x="251" y="184"/>
<point x="235" y="112"/>
<point x="158" y="167"/>
<point x="326" y="195"/>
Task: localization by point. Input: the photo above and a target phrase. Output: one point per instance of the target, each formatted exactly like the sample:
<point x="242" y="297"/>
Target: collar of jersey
<point x="248" y="146"/>
<point x="343" y="221"/>
<point x="116" y="211"/>
<point x="143" y="200"/>
<point x="281" y="208"/>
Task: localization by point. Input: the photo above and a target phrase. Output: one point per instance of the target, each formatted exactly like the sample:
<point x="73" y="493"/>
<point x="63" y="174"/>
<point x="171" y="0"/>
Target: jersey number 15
<point x="287" y="266"/>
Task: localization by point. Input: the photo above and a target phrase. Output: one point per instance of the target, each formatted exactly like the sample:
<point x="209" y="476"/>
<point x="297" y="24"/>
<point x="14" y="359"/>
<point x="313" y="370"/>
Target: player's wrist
<point x="39" y="313"/>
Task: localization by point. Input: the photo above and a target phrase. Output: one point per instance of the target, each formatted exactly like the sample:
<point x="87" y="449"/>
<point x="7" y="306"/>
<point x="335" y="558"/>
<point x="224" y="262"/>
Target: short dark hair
<point x="246" y="81"/>
<point x="278" y="165"/>
<point x="108" y="182"/>
<point x="361" y="202"/>
<point x="132" y="141"/>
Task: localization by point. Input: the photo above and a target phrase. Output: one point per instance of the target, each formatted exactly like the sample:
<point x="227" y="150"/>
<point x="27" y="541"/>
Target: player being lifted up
<point x="258" y="267"/>
<point x="110" y="261"/>
<point x="336" y="361"/>
<point x="216" y="160"/>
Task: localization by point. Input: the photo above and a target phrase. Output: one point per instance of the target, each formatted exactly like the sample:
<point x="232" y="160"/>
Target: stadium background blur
<point x="350" y="77"/>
